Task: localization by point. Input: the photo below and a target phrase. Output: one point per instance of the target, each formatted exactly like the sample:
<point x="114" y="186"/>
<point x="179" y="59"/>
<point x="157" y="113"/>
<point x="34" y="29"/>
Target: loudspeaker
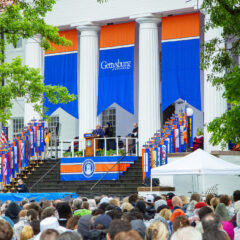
<point x="155" y="182"/>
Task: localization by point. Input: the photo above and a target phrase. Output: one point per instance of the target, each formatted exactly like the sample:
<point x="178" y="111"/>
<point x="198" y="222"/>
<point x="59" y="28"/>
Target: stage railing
<point x="129" y="145"/>
<point x="72" y="147"/>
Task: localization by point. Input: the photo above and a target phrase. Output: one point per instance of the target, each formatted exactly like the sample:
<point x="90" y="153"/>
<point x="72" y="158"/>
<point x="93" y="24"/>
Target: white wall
<point x="68" y="124"/>
<point x="18" y="105"/>
<point x="66" y="12"/>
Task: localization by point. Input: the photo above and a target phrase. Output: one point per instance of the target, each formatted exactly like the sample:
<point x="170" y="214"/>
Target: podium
<point x="89" y="144"/>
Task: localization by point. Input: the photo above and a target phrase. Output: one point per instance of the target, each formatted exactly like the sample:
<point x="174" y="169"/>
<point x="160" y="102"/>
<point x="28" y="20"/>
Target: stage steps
<point x="126" y="185"/>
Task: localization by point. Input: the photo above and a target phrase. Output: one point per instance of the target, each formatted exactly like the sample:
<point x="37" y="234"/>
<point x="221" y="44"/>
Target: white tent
<point x="197" y="163"/>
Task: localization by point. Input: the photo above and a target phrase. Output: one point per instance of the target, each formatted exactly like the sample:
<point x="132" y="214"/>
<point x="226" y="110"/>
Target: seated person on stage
<point x="98" y="132"/>
<point x="134" y="133"/>
<point x="109" y="134"/>
<point x="22" y="187"/>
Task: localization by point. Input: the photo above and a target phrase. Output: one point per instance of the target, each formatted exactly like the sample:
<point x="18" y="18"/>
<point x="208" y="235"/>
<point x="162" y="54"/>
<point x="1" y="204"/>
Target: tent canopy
<point x="197" y="163"/>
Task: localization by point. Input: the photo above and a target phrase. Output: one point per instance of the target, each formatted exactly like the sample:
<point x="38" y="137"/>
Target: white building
<point x="88" y="16"/>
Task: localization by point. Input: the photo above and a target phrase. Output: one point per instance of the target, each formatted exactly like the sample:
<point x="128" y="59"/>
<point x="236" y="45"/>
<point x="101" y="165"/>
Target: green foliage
<point x="25" y="19"/>
<point x="121" y="152"/>
<point x="225" y="72"/>
<point x="67" y="154"/>
<point x="78" y="154"/>
<point x="111" y="152"/>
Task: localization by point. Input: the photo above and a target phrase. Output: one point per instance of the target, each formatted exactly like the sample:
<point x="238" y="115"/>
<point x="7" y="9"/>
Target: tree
<point x="221" y="54"/>
<point x="25" y="19"/>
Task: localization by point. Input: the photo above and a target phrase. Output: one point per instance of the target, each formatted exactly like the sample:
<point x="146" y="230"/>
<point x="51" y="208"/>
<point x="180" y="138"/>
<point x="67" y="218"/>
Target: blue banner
<point x="181" y="72"/>
<point x="62" y="70"/>
<point x="18" y="197"/>
<point x="115" y="84"/>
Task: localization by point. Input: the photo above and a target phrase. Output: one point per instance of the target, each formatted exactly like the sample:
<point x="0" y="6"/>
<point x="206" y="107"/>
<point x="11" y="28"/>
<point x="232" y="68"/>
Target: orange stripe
<point x="181" y="26"/>
<point x="143" y="172"/>
<point x="117" y="35"/>
<point x="69" y="35"/>
<point x="70" y="168"/>
<point x="98" y="168"/>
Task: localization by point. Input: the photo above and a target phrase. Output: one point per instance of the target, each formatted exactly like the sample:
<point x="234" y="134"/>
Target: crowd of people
<point x="131" y="218"/>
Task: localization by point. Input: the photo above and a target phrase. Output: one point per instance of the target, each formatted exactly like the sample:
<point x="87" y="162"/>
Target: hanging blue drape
<point x="62" y="70"/>
<point x="115" y="85"/>
<point x="181" y="72"/>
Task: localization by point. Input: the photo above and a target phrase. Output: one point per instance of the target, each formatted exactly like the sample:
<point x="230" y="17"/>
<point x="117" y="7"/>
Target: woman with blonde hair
<point x="130" y="235"/>
<point x="27" y="233"/>
<point x="185" y="202"/>
<point x="156" y="231"/>
<point x="165" y="213"/>
<point x="214" y="202"/>
<point x="126" y="207"/>
<point x="115" y="202"/>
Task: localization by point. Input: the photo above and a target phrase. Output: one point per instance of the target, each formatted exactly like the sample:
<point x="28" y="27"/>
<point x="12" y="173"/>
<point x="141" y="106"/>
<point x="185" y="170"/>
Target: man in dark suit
<point x="22" y="187"/>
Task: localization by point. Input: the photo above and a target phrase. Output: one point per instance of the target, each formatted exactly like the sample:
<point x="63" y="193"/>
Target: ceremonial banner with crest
<point x="93" y="168"/>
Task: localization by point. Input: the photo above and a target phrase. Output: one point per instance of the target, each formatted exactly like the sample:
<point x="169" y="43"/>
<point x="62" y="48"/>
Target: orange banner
<point x="180" y="26"/>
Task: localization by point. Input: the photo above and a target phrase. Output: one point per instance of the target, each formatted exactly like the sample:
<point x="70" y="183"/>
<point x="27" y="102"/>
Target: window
<point x="109" y="115"/>
<point x="19" y="43"/>
<point x="18" y="125"/>
<point x="53" y="125"/>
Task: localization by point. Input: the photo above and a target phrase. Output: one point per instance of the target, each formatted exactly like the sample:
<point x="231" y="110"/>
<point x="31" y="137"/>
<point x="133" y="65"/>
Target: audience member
<point x="185" y="202"/>
<point x="156" y="231"/>
<point x="222" y="211"/>
<point x="22" y="222"/>
<point x="69" y="236"/>
<point x="64" y="212"/>
<point x="187" y="233"/>
<point x="27" y="233"/>
<point x="6" y="231"/>
<point x="12" y="211"/>
<point x="130" y="235"/>
<point x="176" y="203"/>
<point x="150" y="210"/>
<point x="226" y="200"/>
<point x="166" y="213"/>
<point x="49" y="234"/>
<point x="180" y="222"/>
<point x="214" y="202"/>
<point x="118" y="226"/>
<point x="196" y="197"/>
<point x="72" y="223"/>
<point x="208" y="198"/>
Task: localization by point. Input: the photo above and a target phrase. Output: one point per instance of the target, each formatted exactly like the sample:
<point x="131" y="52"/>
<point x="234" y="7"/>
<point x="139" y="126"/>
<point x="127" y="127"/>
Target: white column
<point x="88" y="87"/>
<point x="149" y="79"/>
<point x="214" y="104"/>
<point x="34" y="59"/>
